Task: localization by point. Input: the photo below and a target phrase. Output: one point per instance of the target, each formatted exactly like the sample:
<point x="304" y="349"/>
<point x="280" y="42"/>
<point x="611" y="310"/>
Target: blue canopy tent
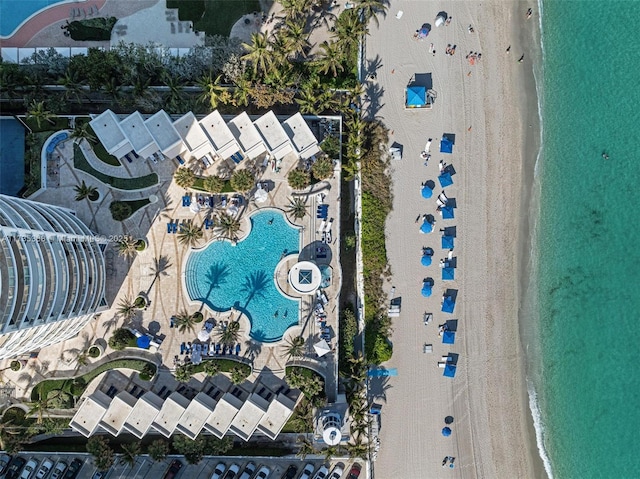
<point x="426" y="192"/>
<point x="446" y="145"/>
<point x="445" y="179"/>
<point x="426" y="227"/>
<point x="448" y="337"/>
<point x="426" y="260"/>
<point x="446" y="431"/>
<point x="447" y="212"/>
<point x="447" y="242"/>
<point x="426" y="289"/>
<point x="143" y="342"/>
<point x="416" y="96"/>
<point x="448" y="274"/>
<point x="449" y="371"/>
<point x="448" y="305"/>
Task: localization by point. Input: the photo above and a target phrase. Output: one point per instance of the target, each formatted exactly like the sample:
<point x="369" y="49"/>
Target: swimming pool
<point x="242" y="276"/>
<point x="14" y="12"/>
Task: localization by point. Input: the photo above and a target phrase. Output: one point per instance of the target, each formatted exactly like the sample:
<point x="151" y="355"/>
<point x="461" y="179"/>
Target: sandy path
<point x="491" y="433"/>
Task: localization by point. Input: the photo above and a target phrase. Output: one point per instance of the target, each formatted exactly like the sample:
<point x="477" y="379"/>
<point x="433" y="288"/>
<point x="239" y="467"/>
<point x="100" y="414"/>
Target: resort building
<point x="220" y="135"/>
<point x="247" y="135"/>
<point x="165" y="134"/>
<point x="120" y="408"/>
<point x="246" y="421"/>
<point x="301" y="136"/>
<point x="140" y="418"/>
<point x="220" y="419"/>
<point x="52" y="275"/>
<point x="277" y="415"/>
<point x="194" y="138"/>
<point x="195" y="416"/>
<point x="172" y="410"/>
<point x="139" y="136"/>
<point x="107" y="128"/>
<point x="95" y="407"/>
<point x="273" y="135"/>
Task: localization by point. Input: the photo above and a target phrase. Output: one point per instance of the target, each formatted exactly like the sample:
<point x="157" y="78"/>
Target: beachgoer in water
<point x="604" y="155"/>
<point x="270" y="222"/>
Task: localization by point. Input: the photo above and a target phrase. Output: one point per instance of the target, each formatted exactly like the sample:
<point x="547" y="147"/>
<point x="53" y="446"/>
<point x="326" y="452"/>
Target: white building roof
<point x="303" y="139"/>
<point x="220" y="419"/>
<point x="194" y="417"/>
<point x="107" y="129"/>
<point x="220" y="135"/>
<point x="87" y="419"/>
<point x="171" y="412"/>
<point x="161" y="127"/>
<point x="119" y="409"/>
<point x="137" y="133"/>
<point x="143" y="414"/>
<point x="247" y="135"/>
<point x="193" y="136"/>
<point x="279" y="412"/>
<point x="273" y="135"/>
<point x="247" y="419"/>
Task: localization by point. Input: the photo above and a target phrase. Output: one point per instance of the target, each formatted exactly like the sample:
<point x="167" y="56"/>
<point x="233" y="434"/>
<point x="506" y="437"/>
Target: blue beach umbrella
<point x="446" y="431"/>
<point x="143" y="342"/>
<point x="426" y="227"/>
<point x="447" y="242"/>
<point x="448" y="305"/>
<point x="426" y="260"/>
<point x="426" y="290"/>
<point x="445" y="179"/>
<point x="448" y="274"/>
<point x="448" y="337"/>
<point x="447" y="212"/>
<point x="427" y="192"/>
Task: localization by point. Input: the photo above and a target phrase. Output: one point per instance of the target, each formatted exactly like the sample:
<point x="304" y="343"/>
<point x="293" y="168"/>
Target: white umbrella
<point x="203" y="335"/>
<point x="194" y="206"/>
<point x="322" y="348"/>
<point x="260" y="196"/>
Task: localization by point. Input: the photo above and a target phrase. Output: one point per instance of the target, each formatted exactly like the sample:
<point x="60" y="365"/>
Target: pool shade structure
<point x="448" y="274"/>
<point x="445" y="179"/>
<point x="449" y="371"/>
<point x="446" y="145"/>
<point x="426" y="227"/>
<point x="447" y="212"/>
<point x="143" y="342"/>
<point x="322" y="348"/>
<point x="416" y="96"/>
<point x="305" y="277"/>
<point x="426" y="192"/>
<point x="448" y="305"/>
<point x="446" y="431"/>
<point x="260" y="196"/>
<point x="447" y="242"/>
<point x="448" y="337"/>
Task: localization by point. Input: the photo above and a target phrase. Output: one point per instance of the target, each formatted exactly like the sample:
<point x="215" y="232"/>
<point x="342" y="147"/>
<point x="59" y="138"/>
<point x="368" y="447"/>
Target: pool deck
<point x="165" y="286"/>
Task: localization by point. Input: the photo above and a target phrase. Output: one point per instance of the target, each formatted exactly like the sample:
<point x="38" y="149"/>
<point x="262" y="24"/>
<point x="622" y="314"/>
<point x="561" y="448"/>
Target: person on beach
<point x="529" y="13"/>
<point x="521" y="59"/>
<point x="418" y="219"/>
<point x="508" y="48"/>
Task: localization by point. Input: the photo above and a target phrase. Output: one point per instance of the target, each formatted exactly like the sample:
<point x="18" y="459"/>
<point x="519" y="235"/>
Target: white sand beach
<point x="484" y="105"/>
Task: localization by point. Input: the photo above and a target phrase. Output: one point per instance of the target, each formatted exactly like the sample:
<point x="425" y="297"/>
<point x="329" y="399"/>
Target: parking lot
<point x="145" y="468"/>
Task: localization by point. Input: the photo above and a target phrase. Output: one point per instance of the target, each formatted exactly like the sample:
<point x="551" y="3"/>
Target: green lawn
<point x="214" y="17"/>
<point x="225" y="365"/>
<point x="81" y="163"/>
<point x="199" y="185"/>
<point x="135" y="205"/>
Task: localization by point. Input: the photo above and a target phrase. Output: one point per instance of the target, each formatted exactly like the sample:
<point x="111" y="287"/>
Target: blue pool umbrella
<point x="426" y="192"/>
<point x="416" y="96"/>
<point x="426" y="260"/>
<point x="446" y="145"/>
<point x="445" y="179"/>
<point x="426" y="290"/>
<point x="448" y="274"/>
<point x="447" y="212"/>
<point x="143" y="342"/>
<point x="446" y="431"/>
<point x="449" y="371"/>
<point x="447" y="242"/>
<point x="448" y="337"/>
<point x="448" y="305"/>
<point x="426" y="227"/>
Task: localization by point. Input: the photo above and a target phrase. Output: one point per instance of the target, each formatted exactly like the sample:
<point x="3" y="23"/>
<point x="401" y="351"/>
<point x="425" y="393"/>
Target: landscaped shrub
<point x="121" y="210"/>
<point x="121" y="339"/>
<point x="242" y="180"/>
<point x="298" y="179"/>
<point x="94" y="351"/>
<point x="322" y="169"/>
<point x="93" y="29"/>
<point x="148" y="371"/>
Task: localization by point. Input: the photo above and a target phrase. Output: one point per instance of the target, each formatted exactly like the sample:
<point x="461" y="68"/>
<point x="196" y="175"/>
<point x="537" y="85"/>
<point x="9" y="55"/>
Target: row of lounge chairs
<point x="214" y="349"/>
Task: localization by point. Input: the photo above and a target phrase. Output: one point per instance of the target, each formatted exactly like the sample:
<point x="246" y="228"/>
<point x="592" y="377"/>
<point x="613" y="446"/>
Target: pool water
<point x="242" y="276"/>
<point x="14" y="12"/>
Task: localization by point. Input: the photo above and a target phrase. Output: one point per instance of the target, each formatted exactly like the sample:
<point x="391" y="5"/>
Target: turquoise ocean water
<point x="584" y="308"/>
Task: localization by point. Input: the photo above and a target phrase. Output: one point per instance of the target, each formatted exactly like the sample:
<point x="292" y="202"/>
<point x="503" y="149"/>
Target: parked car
<point x="233" y="471"/>
<point x="58" y="470"/>
<point x="5" y="459"/>
<point x="99" y="475"/>
<point x="354" y="472"/>
<point x="219" y="470"/>
<point x="307" y="471"/>
<point x="249" y="469"/>
<point x="173" y="470"/>
<point x="29" y="469"/>
<point x="322" y="473"/>
<point x="74" y="469"/>
<point x="15" y="466"/>
<point x="337" y="472"/>
<point x="45" y="467"/>
<point x="290" y="473"/>
<point x="263" y="473"/>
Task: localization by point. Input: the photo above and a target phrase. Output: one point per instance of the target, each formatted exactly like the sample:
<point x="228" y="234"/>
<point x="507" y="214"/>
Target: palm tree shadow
<point x="216" y="276"/>
<point x="375" y="93"/>
<point x="254" y="285"/>
<point x="373" y="65"/>
<point x="378" y="388"/>
<point x="253" y="348"/>
<point x="160" y="266"/>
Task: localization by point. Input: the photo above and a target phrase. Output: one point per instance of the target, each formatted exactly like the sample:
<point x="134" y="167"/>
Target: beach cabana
<point x="445" y="179"/>
<point x="448" y="305"/>
<point x="448" y="274"/>
<point x="426" y="192"/>
<point x="447" y="242"/>
<point x="447" y="212"/>
<point x="446" y="145"/>
<point x="426" y="227"/>
<point x="449" y="371"/>
<point x="416" y="96"/>
<point x="448" y="337"/>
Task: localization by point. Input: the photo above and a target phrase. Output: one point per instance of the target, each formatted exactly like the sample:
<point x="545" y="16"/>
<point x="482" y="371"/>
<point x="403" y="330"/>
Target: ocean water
<point x="242" y="276"/>
<point x="14" y="12"/>
<point x="583" y="305"/>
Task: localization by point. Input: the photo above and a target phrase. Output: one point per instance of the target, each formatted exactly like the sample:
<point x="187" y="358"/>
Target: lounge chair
<point x="169" y="228"/>
<point x="218" y="348"/>
<point x="175" y="227"/>
<point x="238" y="349"/>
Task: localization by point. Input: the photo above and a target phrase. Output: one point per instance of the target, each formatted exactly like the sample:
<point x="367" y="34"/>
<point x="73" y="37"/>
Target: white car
<point x="336" y="473"/>
<point x="29" y="469"/>
<point x="233" y="471"/>
<point x="219" y="470"/>
<point x="46" y="466"/>
<point x="58" y="471"/>
<point x="322" y="473"/>
<point x="249" y="469"/>
<point x="263" y="473"/>
<point x="307" y="471"/>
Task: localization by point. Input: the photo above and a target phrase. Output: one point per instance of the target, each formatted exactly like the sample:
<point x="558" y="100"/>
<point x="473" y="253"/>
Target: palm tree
<point x="127" y="247"/>
<point x="210" y="368"/>
<point x="295" y="37"/>
<point x="305" y="448"/>
<point x="242" y="180"/>
<point x="371" y="8"/>
<point x="298" y="179"/>
<point x="227" y="226"/>
<point x="41" y="406"/>
<point x="322" y="168"/>
<point x="183" y="373"/>
<point x="294" y="8"/>
<point x="238" y="375"/>
<point x="213" y="184"/>
<point x="184" y="177"/>
<point x="185" y="321"/>
<point x="81" y="132"/>
<point x="331" y="58"/>
<point x="294" y="348"/>
<point x="307" y="100"/>
<point x="130" y="452"/>
<point x="38" y="112"/>
<point x="140" y="87"/>
<point x="126" y="309"/>
<point x="358" y="449"/>
<point x="348" y="31"/>
<point x="242" y="91"/>
<point x="190" y="233"/>
<point x="213" y="92"/>
<point x="258" y="53"/>
<point x="175" y="95"/>
<point x="114" y="89"/>
<point x="297" y="207"/>
<point x="158" y="450"/>
<point x="83" y="191"/>
<point x="229" y="335"/>
<point x="72" y="87"/>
